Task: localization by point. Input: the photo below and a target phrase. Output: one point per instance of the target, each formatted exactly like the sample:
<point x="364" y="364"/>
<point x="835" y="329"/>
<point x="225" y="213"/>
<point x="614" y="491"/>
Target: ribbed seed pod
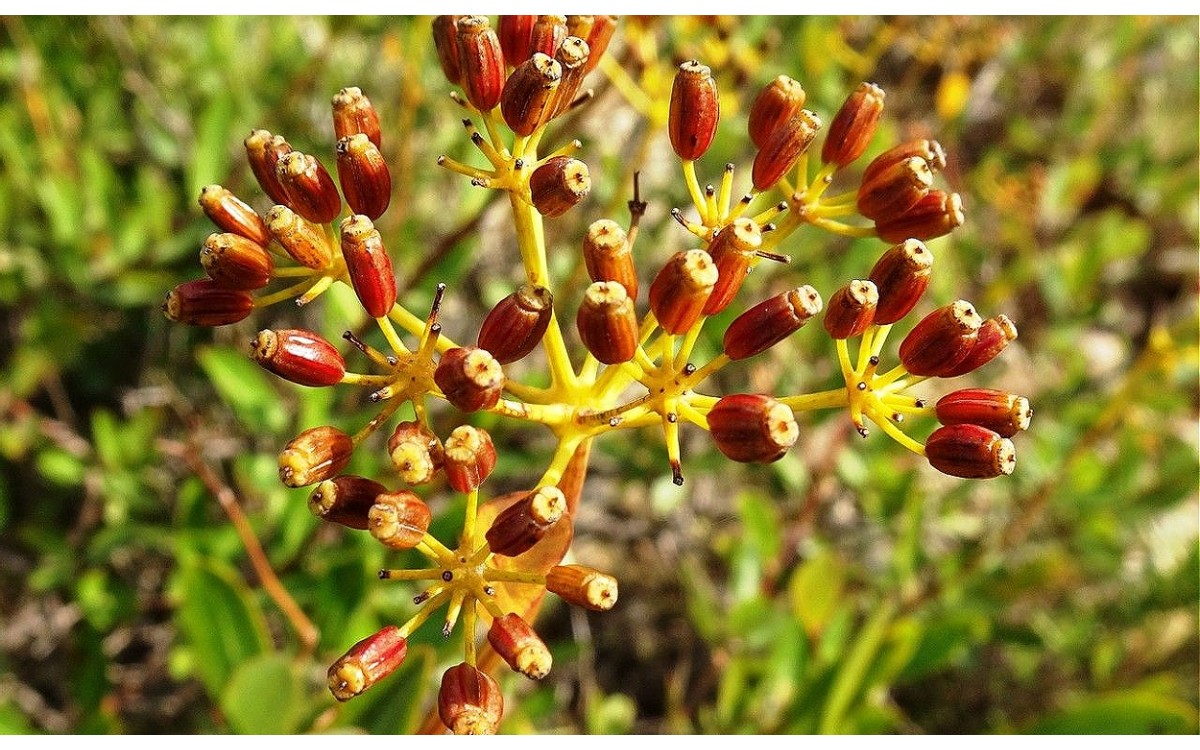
<point x="969" y="451"/>
<point x="515" y="326"/>
<point x="583" y="586"/>
<point x="232" y="214"/>
<point x="695" y="110"/>
<point x="524" y="523"/>
<point x="300" y="239"/>
<point x="369" y="265"/>
<point x="480" y="62"/>
<point x="317" y="454"/>
<point x="311" y="191"/>
<point x="528" y="93"/>
<point x="205" y="303"/>
<point x="299" y="356"/>
<point x="363" y="173"/>
<point x="894" y="190"/>
<point x="353" y="113"/>
<point x="516" y="38"/>
<point x="399" y="519"/>
<point x="470" y="458"/>
<point x="901" y="276"/>
<point x="752" y="428"/>
<point x="367" y="662"/>
<point x="470" y="378"/>
<point x="783" y="149"/>
<point x="445" y="41"/>
<point x="603" y="28"/>
<point x="936" y="214"/>
<point x="770" y="321"/>
<point x="416" y="452"/>
<point x="994" y="335"/>
<point x="519" y="646"/>
<point x="941" y="340"/>
<point x="607" y="323"/>
<point x="852" y="128"/>
<point x="572" y="57"/>
<point x="469" y="701"/>
<point x="547" y="34"/>
<point x="1003" y="413"/>
<point x="681" y="289"/>
<point x="732" y="250"/>
<point x="559" y="185"/>
<point x="608" y="256"/>
<point x="851" y="309"/>
<point x="778" y="102"/>
<point x="345" y="500"/>
<point x="234" y="262"/>
<point x="263" y="151"/>
<point x="931" y="151"/>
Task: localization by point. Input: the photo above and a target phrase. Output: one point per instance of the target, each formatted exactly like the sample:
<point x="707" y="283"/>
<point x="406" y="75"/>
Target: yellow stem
<point x="428" y="607"/>
<point x="693" y="186"/>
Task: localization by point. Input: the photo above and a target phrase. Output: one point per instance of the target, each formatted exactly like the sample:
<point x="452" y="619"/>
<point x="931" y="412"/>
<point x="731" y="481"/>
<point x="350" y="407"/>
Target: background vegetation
<point x="847" y="588"/>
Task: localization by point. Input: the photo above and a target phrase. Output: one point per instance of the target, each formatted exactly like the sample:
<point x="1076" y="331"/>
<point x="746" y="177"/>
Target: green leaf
<point x="245" y="388"/>
<point x="815" y="589"/>
<point x="12" y="721"/>
<point x="611" y="714"/>
<point x="263" y="697"/>
<point x="1131" y="712"/>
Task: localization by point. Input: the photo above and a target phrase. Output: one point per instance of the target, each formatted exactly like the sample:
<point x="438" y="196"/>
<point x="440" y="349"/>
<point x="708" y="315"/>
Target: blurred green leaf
<point x="1131" y="712"/>
<point x="244" y="387"/>
<point x="816" y="589"/>
<point x="263" y="697"/>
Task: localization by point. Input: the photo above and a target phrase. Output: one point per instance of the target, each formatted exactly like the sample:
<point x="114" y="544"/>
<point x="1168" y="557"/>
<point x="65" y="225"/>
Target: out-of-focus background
<point x="848" y="587"/>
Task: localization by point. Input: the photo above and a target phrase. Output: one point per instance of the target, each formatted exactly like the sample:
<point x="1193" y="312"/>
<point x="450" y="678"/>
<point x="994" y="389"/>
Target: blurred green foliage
<point x="845" y="589"/>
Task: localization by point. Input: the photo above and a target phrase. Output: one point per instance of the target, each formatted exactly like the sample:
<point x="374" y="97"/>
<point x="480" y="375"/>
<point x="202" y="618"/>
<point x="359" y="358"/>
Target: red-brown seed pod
<point x="583" y="586"/>
<point x="416" y="452"/>
<point x="299" y="356"/>
<point x="852" y="128"/>
<point x="524" y="523"/>
<point x="607" y="323"/>
<point x="559" y="185"/>
<point x="603" y="28"/>
<point x="528" y="93"/>
<point x="516" y="35"/>
<point x="519" y="646"/>
<point x="345" y="500"/>
<point x="515" y="326"/>
<point x="572" y="57"/>
<point x="470" y="458"/>
<point x="783" y="149"/>
<point x="311" y="191"/>
<point x="901" y="275"/>
<point x="608" y="256"/>
<point x="994" y="335"/>
<point x="547" y="34"/>
<point x="317" y="454"/>
<point x="941" y="340"/>
<point x="480" y="62"/>
<point x="369" y="265"/>
<point x="752" y="428"/>
<point x="263" y="151"/>
<point x="931" y="151"/>
<point x="353" y="113"/>
<point x="999" y="411"/>
<point x="232" y="214"/>
<point x="445" y="41"/>
<point x="363" y="173"/>
<point x="778" y="102"/>
<point x="234" y="262"/>
<point x="470" y="702"/>
<point x="969" y="451"/>
<point x="936" y="214"/>
<point x="399" y="519"/>
<point x="680" y="290"/>
<point x="367" y="662"/>
<point x="470" y="378"/>
<point x="731" y="250"/>
<point x="851" y="309"/>
<point x="300" y="239"/>
<point x="695" y="110"/>
<point x="770" y="321"/>
<point x="205" y="303"/>
<point x="894" y="190"/>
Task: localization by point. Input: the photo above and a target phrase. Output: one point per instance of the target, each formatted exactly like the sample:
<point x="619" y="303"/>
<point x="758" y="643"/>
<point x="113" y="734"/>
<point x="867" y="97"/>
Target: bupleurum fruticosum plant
<point x="638" y="369"/>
